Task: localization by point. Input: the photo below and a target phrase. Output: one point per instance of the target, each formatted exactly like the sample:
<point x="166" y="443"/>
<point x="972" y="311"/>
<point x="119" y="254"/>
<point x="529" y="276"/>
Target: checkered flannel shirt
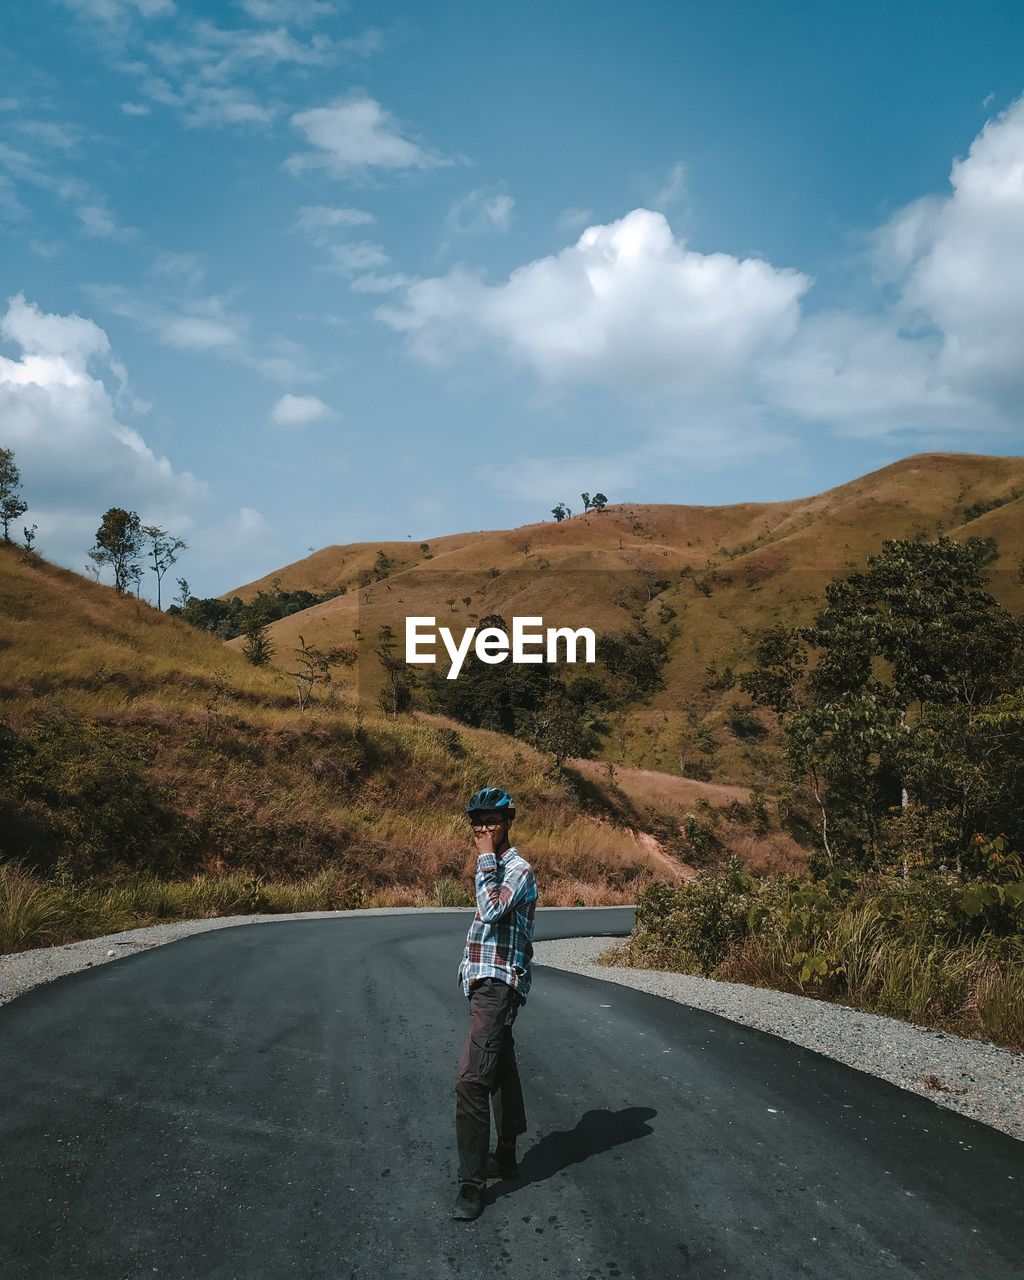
<point x="500" y="939"/>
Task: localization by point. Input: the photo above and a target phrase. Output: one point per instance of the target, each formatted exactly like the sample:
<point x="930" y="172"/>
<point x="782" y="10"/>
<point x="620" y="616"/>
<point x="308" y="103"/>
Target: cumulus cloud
<point x="942" y="351"/>
<point x="354" y="135"/>
<point x="626" y="305"/>
<point x="713" y="338"/>
<point x="76" y="456"/>
<point x="960" y="260"/>
<point x="297" y="411"/>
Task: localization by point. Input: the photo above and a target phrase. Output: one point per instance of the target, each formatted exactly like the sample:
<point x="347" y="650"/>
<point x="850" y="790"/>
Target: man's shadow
<point x="595" y="1131"/>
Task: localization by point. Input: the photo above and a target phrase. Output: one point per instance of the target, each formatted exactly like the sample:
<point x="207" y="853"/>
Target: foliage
<point x="259" y="647"/>
<point x="897" y="707"/>
<point x="227" y="619"/>
<point x="119" y="540"/>
<point x="314" y="667"/>
<point x="12" y="505"/>
<point x="163" y="548"/>
<point x="560" y="712"/>
<point x="82" y="790"/>
<point x="918" y="947"/>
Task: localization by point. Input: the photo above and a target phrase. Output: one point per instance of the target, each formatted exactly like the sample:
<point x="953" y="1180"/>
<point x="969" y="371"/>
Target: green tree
<point x="586" y="502"/>
<point x="561" y="512"/>
<point x="560" y="726"/>
<point x="259" y="647"/>
<point x="598" y="502"/>
<point x="892" y="725"/>
<point x="163" y="552"/>
<point x="396" y="691"/>
<point x="119" y="539"/>
<point x="12" y="505"/>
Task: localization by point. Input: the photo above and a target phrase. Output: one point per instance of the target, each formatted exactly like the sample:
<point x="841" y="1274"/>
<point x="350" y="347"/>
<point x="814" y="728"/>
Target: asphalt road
<point x="278" y="1100"/>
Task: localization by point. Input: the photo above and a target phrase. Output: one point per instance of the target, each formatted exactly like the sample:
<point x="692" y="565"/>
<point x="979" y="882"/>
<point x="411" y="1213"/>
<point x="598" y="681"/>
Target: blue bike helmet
<point x="492" y="799"/>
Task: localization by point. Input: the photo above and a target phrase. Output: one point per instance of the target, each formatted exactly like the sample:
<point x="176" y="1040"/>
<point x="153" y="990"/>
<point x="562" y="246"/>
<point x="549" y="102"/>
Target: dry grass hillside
<point x="704" y="575"/>
<point x="130" y="740"/>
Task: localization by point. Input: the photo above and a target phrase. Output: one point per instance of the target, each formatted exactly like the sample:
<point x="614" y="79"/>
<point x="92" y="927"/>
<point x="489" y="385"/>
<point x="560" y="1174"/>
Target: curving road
<point x="277" y="1101"/>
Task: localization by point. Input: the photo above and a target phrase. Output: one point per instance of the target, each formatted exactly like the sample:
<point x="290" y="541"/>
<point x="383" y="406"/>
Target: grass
<point x="906" y="963"/>
<point x="39" y="912"/>
<point x="157" y="772"/>
<point x="781" y="556"/>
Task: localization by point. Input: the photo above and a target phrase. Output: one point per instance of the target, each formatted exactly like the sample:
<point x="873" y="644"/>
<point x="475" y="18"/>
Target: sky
<point x="278" y="274"/>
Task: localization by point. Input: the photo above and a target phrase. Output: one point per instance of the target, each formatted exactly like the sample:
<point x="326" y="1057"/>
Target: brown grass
<point x="763" y="562"/>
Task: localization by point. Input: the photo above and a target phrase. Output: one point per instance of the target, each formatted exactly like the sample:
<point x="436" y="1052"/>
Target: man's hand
<point x="485" y="841"/>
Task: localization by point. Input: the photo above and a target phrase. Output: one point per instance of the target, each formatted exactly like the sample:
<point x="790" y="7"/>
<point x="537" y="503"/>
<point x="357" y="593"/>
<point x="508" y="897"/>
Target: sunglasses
<point x="491" y="824"/>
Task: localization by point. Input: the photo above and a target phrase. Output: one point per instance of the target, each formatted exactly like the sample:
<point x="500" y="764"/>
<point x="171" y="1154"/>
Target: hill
<point x="130" y="741"/>
<point x="704" y="577"/>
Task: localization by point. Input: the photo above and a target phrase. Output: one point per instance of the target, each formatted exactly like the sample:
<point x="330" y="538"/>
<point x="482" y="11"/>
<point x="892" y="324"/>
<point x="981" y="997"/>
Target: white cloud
<point x="674" y="189"/>
<point x="187" y="267"/>
<point x="98" y="221"/>
<point x="574" y="219"/>
<point x="374" y="283"/>
<point x="351" y="259"/>
<point x="321" y="222"/>
<point x="75" y="455"/>
<point x="626" y="305"/>
<point x="353" y="135"/>
<point x="197" y="324"/>
<point x="48" y="133"/>
<point x="715" y="339"/>
<point x="943" y="349"/>
<point x="118" y="12"/>
<point x="30" y="171"/>
<point x="480" y="211"/>
<point x="964" y="260"/>
<point x="297" y="411"/>
<point x="135" y="109"/>
<point x="296" y="12"/>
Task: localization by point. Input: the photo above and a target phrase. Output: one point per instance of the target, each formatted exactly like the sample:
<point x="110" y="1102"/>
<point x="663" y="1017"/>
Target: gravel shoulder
<point x="972" y="1077"/>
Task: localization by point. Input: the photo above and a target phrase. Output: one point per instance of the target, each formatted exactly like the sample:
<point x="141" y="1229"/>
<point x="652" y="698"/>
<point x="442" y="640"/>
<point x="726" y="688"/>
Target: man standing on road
<point x="495" y="973"/>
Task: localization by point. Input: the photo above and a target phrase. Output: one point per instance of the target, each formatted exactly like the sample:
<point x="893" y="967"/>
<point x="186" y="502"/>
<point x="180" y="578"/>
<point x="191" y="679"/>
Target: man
<point x="495" y="973"/>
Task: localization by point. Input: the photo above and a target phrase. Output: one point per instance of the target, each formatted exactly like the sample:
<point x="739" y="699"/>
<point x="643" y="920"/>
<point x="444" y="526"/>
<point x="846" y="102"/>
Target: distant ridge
<point x="730" y="569"/>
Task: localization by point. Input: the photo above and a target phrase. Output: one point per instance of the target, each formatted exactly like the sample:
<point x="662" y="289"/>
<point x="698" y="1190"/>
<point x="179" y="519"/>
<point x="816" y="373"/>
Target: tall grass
<point x="895" y="949"/>
<point x="39" y="912"/>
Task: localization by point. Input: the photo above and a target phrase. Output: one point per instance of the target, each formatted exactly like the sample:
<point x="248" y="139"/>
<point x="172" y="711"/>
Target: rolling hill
<point x="131" y="741"/>
<point x="702" y="576"/>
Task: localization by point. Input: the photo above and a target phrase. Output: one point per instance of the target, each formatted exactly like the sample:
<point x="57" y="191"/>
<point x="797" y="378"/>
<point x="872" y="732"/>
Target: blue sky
<point x="282" y="273"/>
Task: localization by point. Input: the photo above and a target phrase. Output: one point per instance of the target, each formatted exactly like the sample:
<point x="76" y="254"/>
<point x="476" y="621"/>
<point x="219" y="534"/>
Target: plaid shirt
<point x="500" y="939"/>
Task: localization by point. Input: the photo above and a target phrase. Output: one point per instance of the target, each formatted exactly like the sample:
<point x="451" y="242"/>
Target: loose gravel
<point x="973" y="1077"/>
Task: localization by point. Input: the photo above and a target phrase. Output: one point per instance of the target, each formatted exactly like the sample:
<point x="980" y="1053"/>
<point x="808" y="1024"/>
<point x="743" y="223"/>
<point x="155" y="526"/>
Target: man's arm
<point x="493" y="900"/>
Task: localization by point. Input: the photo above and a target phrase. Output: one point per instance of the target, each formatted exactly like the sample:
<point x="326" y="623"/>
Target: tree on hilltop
<point x="12" y="505"/>
<point x="561" y="512"/>
<point x="163" y="548"/>
<point x="119" y="540"/>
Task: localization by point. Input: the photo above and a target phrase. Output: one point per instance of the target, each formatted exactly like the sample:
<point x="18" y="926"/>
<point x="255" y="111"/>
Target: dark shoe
<point x="502" y="1163"/>
<point x="470" y="1202"/>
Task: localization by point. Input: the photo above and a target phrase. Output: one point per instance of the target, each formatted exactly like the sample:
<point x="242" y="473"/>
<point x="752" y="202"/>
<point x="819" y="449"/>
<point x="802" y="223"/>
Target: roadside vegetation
<point x="148" y="770"/>
<point x="902" y="712"/>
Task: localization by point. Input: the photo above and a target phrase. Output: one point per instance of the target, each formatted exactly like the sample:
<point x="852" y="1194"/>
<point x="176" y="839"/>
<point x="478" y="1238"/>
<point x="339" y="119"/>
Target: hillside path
<point x="254" y="1103"/>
